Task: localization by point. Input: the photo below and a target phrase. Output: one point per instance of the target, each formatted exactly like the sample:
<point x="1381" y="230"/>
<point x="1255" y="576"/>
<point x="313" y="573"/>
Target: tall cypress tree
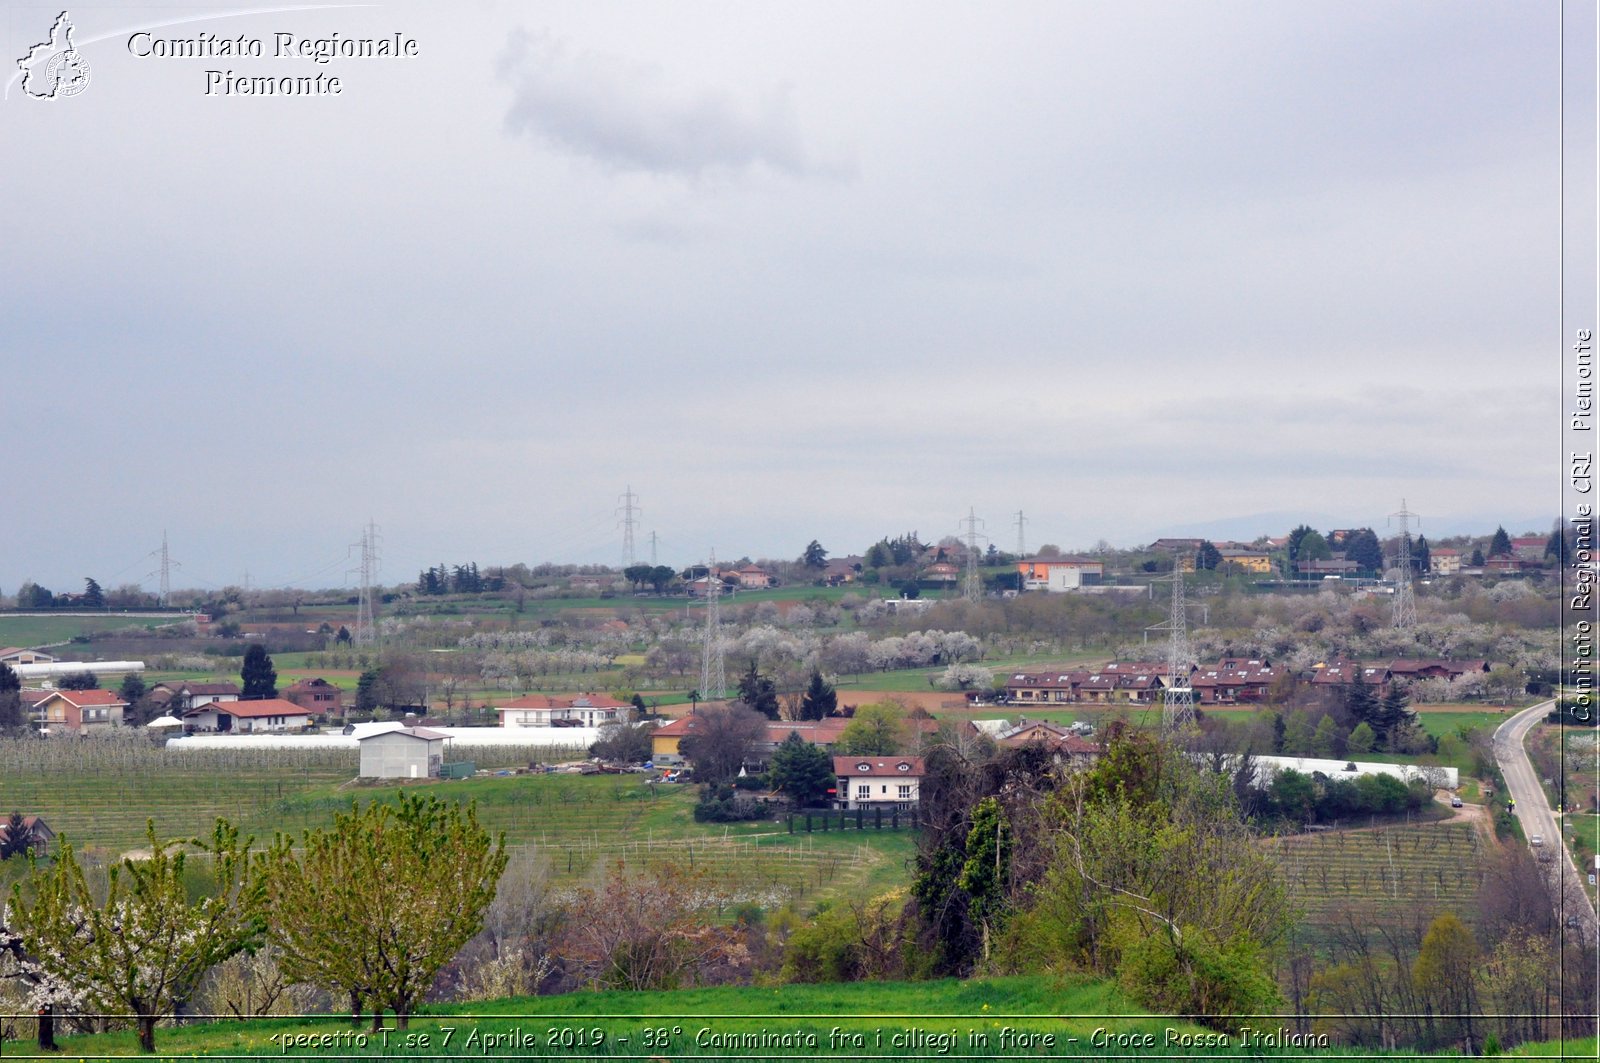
<point x="257" y="676"/>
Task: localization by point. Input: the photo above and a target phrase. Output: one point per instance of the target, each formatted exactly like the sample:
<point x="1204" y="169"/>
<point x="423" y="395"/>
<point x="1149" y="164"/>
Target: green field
<point x="45" y="629"/>
<point x="101" y="795"/>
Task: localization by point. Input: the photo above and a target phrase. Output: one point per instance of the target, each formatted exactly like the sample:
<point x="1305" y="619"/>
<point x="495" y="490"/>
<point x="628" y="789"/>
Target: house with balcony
<point x="879" y="782"/>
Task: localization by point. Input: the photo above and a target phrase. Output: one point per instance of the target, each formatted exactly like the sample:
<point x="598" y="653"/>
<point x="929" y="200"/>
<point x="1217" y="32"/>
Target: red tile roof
<point x="878" y="767"/>
<point x="252" y="710"/>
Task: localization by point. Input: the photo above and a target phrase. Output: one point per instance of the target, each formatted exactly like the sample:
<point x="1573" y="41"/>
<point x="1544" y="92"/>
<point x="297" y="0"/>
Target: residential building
<point x="879" y="782"/>
<point x="1444" y="561"/>
<point x="181" y="697"/>
<point x="81" y="712"/>
<point x="575" y="710"/>
<point x="317" y="696"/>
<point x="1246" y="560"/>
<point x="753" y="577"/>
<point x="33" y="825"/>
<point x="1059" y="573"/>
<point x="247" y="717"/>
<point x="1233" y="682"/>
<point x="1068" y="747"/>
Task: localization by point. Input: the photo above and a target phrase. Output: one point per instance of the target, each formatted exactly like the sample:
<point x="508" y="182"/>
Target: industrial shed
<point x="402" y="753"/>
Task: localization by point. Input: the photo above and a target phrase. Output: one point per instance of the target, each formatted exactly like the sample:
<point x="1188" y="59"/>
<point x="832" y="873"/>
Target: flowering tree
<point x="144" y="950"/>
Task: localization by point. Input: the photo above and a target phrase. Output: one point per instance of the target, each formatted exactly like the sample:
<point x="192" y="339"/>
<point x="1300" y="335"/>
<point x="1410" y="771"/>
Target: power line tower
<point x="1405" y="599"/>
<point x="653" y="550"/>
<point x="164" y="571"/>
<point x="366" y="632"/>
<point x="628" y="510"/>
<point x="1178" y="700"/>
<point x="713" y="672"/>
<point x="972" y="584"/>
<point x="1021" y="522"/>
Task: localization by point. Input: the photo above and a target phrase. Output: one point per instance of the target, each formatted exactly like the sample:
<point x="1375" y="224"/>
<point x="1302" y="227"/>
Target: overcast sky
<point x="789" y="270"/>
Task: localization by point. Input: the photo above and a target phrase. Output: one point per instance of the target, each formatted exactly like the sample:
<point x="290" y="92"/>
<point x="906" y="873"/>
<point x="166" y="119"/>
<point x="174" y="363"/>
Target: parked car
<point x="1455" y="801"/>
<point x="1536" y="840"/>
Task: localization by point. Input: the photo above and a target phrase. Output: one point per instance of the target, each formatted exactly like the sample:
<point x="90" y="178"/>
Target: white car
<point x="1536" y="840"/>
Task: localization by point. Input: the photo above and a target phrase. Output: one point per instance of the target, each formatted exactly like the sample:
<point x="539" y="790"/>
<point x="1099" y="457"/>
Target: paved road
<point x="1534" y="813"/>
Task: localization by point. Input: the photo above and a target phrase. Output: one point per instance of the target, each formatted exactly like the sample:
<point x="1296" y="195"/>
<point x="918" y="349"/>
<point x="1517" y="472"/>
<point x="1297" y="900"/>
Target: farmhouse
<point x="578" y="710"/>
<point x="317" y="696"/>
<point x="81" y="712"/>
<point x="182" y="697"/>
<point x="1068" y="747"/>
<point x="402" y="753"/>
<point x="1443" y="561"/>
<point x="247" y="717"/>
<point x="35" y="828"/>
<point x="879" y="782"/>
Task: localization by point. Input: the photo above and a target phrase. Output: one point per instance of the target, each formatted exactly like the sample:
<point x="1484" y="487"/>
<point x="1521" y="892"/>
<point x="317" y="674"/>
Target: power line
<point x="1177" y="702"/>
<point x="366" y="631"/>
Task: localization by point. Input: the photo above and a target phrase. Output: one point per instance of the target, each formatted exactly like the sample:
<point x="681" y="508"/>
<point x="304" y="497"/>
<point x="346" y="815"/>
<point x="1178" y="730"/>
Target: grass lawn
<point x="938" y="1018"/>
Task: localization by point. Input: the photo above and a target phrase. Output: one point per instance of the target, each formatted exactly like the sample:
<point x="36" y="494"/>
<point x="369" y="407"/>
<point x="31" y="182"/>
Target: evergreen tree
<point x="1421" y="558"/>
<point x="1360" y="702"/>
<point x="819" y="700"/>
<point x="1477" y="557"/>
<point x="1326" y="740"/>
<point x="1555" y="547"/>
<point x="132" y="691"/>
<point x="1361" y="740"/>
<point x="1207" y="558"/>
<point x="13" y="716"/>
<point x="759" y="692"/>
<point x="367" y="690"/>
<point x="802" y="772"/>
<point x="93" y="596"/>
<point x="257" y="676"/>
<point x="1295" y="538"/>
<point x="1391" y="717"/>
<point x="1500" y="543"/>
<point x="84" y="680"/>
<point x="1363" y="548"/>
<point x="815" y="557"/>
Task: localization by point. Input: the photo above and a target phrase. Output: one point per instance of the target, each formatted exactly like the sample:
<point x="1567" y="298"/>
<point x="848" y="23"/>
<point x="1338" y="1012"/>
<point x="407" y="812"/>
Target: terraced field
<point x="1382" y="875"/>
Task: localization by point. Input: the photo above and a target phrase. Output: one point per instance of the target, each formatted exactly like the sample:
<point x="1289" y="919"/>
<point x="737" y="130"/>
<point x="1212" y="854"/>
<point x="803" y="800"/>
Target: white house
<point x="879" y="782"/>
<point x="580" y="710"/>
<point x="247" y="717"/>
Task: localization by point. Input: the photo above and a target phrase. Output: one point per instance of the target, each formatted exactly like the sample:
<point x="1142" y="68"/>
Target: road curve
<point x="1535" y="816"/>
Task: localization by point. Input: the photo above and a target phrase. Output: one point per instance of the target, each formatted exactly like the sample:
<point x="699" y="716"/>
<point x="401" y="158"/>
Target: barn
<point x="402" y="753"/>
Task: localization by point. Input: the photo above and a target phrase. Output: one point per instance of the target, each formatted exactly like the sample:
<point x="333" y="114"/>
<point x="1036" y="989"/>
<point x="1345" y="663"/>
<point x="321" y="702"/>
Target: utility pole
<point x="1021" y="522"/>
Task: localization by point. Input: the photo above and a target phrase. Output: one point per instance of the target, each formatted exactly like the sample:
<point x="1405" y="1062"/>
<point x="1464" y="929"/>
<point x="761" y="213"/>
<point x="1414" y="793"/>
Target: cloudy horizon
<point x="787" y="271"/>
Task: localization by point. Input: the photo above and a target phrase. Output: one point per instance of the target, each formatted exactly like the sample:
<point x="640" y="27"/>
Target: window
<point x="863" y="792"/>
<point x="905" y="791"/>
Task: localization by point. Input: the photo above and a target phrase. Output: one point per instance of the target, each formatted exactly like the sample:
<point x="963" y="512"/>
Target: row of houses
<point x="1230" y="681"/>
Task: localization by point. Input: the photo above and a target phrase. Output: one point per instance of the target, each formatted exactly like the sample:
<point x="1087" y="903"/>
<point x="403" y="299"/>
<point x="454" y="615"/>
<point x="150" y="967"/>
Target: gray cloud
<point x="630" y="117"/>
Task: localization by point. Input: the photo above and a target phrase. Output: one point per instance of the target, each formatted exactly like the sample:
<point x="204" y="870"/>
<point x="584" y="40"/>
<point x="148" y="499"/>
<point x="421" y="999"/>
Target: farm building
<point x="15" y="655"/>
<point x="402" y="753"/>
<point x="35" y="828"/>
